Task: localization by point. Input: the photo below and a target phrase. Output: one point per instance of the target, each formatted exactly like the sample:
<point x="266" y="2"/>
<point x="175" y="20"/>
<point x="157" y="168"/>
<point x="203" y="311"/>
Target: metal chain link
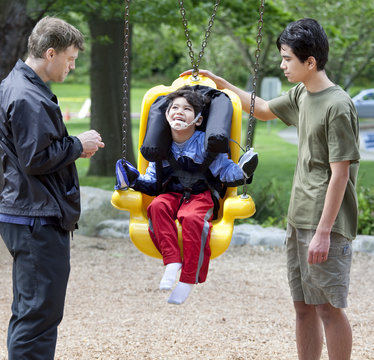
<point x="196" y="63"/>
<point x="125" y="78"/>
<point x="252" y="120"/>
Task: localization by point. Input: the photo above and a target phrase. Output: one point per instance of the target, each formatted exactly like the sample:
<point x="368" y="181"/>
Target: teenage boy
<point x="322" y="215"/>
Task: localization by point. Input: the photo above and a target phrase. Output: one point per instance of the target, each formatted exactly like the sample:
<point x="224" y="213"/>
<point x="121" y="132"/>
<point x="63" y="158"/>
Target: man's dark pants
<point x="41" y="266"/>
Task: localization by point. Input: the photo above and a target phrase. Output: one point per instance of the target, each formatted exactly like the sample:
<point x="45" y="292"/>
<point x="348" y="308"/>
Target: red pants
<point x="195" y="217"/>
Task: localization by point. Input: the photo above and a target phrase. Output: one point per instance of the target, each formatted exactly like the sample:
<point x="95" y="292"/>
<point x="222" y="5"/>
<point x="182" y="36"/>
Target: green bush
<point x="271" y="206"/>
<point x="365" y="210"/>
<point x="271" y="209"/>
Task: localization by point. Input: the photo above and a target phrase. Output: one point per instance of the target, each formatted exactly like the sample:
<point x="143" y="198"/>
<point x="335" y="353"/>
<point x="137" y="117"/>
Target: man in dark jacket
<point x="39" y="188"/>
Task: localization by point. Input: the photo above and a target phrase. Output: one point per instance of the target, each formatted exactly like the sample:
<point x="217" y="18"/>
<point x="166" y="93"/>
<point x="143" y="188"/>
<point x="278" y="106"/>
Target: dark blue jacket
<point x="38" y="176"/>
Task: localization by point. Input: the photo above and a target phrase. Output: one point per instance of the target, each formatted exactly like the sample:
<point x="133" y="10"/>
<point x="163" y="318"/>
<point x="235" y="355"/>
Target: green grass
<point x="365" y="174"/>
<point x="71" y="96"/>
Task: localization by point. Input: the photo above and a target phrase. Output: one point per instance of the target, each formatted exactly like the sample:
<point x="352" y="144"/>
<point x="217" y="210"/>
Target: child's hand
<point x="248" y="162"/>
<point x="126" y="174"/>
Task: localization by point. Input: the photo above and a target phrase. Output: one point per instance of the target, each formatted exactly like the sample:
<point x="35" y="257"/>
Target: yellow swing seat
<point x="232" y="206"/>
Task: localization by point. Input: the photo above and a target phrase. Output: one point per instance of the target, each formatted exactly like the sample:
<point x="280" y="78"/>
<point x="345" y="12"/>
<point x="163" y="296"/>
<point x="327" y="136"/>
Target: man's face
<point x="60" y="64"/>
<point x="294" y="70"/>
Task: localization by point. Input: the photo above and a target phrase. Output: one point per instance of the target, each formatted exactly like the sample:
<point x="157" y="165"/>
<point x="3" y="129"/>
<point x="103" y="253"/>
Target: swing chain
<point x="196" y="63"/>
<point x="252" y="120"/>
<point x="125" y="78"/>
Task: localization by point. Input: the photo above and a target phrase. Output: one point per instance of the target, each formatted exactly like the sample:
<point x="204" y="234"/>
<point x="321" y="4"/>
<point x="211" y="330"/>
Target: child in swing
<point x="186" y="198"/>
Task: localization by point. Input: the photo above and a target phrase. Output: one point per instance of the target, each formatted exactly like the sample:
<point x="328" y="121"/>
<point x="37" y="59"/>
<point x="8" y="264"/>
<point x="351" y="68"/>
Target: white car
<point x="364" y="102"/>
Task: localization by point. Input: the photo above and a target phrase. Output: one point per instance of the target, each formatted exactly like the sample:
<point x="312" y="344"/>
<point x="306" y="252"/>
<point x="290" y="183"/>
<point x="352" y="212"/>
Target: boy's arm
<point x="320" y="244"/>
<point x="261" y="111"/>
<point x="129" y="177"/>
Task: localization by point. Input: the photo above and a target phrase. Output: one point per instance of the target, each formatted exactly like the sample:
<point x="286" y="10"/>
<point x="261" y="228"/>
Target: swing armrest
<point x="132" y="201"/>
<point x="238" y="207"/>
<point x="129" y="200"/>
<point x="235" y="207"/>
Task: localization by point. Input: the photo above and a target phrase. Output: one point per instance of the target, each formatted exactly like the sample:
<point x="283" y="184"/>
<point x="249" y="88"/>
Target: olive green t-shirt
<point x="328" y="131"/>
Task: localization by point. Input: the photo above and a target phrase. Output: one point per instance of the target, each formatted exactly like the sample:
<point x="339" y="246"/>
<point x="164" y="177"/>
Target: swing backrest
<point x="231" y="206"/>
<point x="156" y="92"/>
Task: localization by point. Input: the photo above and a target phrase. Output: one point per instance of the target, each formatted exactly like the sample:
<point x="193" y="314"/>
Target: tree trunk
<point x="15" y="28"/>
<point x="106" y="75"/>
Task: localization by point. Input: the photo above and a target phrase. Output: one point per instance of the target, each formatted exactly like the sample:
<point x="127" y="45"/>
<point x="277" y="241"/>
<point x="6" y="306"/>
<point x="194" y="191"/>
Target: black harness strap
<point x="189" y="178"/>
<point x="159" y="176"/>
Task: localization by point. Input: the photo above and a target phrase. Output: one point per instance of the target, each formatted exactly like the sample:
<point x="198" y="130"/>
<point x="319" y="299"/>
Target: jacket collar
<point x="34" y="78"/>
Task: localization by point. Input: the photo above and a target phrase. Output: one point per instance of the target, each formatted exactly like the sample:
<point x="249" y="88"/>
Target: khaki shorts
<point x="323" y="283"/>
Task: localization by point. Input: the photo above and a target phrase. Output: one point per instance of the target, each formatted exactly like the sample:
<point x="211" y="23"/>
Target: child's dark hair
<point x="306" y="37"/>
<point x="193" y="96"/>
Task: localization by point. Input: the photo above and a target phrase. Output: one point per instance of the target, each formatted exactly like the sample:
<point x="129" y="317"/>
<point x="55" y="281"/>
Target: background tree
<point x="349" y="27"/>
<point x="105" y="21"/>
<point x="106" y="25"/>
<point x="159" y="51"/>
<point x="16" y="24"/>
<point x="107" y="81"/>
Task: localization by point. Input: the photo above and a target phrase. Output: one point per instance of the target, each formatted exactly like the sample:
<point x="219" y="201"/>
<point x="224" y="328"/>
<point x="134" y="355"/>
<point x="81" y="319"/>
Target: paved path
<point x="289" y="134"/>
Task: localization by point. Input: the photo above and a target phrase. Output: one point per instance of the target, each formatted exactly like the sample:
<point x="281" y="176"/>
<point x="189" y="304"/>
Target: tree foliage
<point x="17" y="18"/>
<point x="348" y="25"/>
<point x="159" y="50"/>
<point x="232" y="45"/>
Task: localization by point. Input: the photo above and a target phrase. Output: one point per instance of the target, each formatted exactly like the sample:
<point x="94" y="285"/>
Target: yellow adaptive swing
<point x="232" y="206"/>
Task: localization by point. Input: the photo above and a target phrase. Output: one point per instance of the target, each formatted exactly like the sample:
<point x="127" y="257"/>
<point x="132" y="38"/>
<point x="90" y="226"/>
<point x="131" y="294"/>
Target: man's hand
<point x="319" y="248"/>
<point x="91" y="142"/>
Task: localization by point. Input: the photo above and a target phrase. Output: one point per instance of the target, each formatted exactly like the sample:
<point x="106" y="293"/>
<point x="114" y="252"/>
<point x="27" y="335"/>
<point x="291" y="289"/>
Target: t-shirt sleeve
<point x="342" y="134"/>
<point x="285" y="106"/>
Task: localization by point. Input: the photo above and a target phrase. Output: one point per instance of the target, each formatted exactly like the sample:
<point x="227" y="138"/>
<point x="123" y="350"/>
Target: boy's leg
<point x="164" y="234"/>
<point x="41" y="265"/>
<point x="309" y="333"/>
<point x="324" y="286"/>
<point x="195" y="216"/>
<point x="162" y="212"/>
<point x="338" y="332"/>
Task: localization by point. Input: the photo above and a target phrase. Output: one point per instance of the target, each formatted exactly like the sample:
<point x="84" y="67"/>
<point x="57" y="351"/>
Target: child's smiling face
<point x="181" y="110"/>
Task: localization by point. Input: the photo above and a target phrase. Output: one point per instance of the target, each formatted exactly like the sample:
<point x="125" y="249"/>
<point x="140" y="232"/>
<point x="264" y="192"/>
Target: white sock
<point x="180" y="293"/>
<point x="170" y="276"/>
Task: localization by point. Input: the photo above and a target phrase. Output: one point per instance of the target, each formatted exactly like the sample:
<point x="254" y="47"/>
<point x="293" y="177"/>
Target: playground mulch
<point x="114" y="309"/>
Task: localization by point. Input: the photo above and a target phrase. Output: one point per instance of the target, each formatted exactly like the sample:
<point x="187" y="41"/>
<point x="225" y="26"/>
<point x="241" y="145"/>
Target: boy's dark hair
<point x="51" y="32"/>
<point x="306" y="37"/>
<point x="194" y="97"/>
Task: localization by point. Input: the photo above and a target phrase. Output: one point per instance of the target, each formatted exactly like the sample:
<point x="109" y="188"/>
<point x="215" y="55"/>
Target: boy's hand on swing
<point x="248" y="162"/>
<point x="126" y="174"/>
